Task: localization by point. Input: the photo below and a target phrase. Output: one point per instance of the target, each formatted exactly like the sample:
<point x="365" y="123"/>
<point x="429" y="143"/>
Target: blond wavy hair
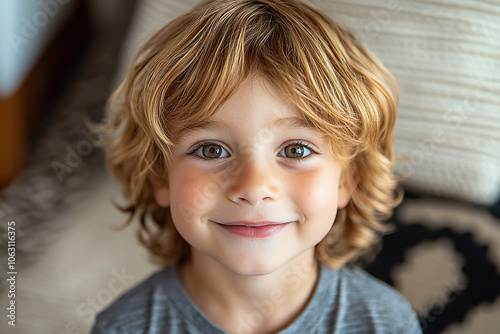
<point x="182" y="75"/>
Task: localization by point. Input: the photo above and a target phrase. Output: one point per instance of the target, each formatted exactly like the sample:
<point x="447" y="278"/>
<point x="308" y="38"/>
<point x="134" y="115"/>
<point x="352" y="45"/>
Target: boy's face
<point x="244" y="199"/>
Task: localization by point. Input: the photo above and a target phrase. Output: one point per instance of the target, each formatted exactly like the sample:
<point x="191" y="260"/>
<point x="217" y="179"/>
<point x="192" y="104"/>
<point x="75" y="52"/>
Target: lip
<point x="253" y="229"/>
<point x="252" y="224"/>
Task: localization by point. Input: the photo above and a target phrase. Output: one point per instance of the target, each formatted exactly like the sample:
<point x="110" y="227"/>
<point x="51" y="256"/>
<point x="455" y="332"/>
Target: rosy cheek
<point x="316" y="195"/>
<point x="184" y="190"/>
<point x="192" y="192"/>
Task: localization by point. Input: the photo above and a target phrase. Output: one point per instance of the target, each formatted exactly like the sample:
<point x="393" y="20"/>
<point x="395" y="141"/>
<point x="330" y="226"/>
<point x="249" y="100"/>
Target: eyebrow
<point x="287" y="122"/>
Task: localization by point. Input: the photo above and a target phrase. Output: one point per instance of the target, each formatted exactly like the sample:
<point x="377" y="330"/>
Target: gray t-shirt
<point x="347" y="300"/>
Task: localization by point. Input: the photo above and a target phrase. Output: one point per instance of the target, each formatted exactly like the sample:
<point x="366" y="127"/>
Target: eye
<point x="209" y="150"/>
<point x="297" y="150"/>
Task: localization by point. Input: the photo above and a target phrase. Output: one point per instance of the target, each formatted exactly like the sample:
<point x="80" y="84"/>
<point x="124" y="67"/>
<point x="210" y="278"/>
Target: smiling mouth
<point x="253" y="230"/>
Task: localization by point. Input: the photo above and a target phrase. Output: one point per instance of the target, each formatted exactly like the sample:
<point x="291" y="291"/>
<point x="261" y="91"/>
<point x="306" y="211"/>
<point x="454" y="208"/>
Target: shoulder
<point x="133" y="309"/>
<point x="367" y="288"/>
<point x="379" y="304"/>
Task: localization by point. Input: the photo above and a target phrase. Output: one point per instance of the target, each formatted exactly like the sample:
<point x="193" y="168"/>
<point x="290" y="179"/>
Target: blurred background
<point x="61" y="59"/>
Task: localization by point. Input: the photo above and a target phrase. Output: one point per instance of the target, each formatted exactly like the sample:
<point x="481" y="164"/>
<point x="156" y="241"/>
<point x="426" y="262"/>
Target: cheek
<point x="316" y="195"/>
<point x="192" y="193"/>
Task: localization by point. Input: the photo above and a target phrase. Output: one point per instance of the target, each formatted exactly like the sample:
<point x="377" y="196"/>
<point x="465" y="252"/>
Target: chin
<point x="254" y="267"/>
<point x="253" y="271"/>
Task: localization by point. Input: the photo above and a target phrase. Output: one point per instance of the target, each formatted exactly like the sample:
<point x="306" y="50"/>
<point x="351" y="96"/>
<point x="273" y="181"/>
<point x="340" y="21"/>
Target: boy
<point x="256" y="150"/>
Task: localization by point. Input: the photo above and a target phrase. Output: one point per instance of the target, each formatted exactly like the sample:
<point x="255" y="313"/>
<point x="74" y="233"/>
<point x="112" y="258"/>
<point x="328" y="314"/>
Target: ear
<point x="161" y="193"/>
<point x="345" y="190"/>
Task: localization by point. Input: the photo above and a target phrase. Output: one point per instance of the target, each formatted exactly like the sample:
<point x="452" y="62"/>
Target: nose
<point x="253" y="183"/>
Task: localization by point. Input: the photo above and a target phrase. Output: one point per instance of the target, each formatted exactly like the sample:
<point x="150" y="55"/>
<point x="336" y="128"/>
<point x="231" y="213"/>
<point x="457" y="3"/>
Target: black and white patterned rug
<point x="445" y="257"/>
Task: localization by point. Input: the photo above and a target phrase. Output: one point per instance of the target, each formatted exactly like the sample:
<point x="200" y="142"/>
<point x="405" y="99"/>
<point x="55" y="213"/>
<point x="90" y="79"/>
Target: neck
<point x="250" y="304"/>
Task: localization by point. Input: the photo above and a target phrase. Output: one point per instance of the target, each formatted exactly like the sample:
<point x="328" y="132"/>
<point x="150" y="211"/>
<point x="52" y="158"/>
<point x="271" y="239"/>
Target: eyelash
<point x="297" y="142"/>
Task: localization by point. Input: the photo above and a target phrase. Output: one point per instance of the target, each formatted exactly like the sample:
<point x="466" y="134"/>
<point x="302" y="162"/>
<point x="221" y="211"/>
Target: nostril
<point x="253" y="184"/>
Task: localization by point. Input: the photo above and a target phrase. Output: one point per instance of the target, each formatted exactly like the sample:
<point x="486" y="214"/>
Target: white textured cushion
<point x="445" y="55"/>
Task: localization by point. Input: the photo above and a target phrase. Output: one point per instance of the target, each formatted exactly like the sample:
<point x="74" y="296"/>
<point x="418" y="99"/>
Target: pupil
<point x="211" y="151"/>
<point x="294" y="151"/>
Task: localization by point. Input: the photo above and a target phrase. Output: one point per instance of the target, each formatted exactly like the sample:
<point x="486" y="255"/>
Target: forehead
<point x="224" y="126"/>
<point x="255" y="103"/>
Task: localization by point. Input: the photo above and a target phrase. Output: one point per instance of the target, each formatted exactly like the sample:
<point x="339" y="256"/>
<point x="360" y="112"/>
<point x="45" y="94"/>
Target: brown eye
<point x="212" y="151"/>
<point x="297" y="151"/>
<point x="294" y="151"/>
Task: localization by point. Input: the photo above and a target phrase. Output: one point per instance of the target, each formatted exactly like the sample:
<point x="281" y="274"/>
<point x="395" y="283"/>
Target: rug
<point x="444" y="257"/>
